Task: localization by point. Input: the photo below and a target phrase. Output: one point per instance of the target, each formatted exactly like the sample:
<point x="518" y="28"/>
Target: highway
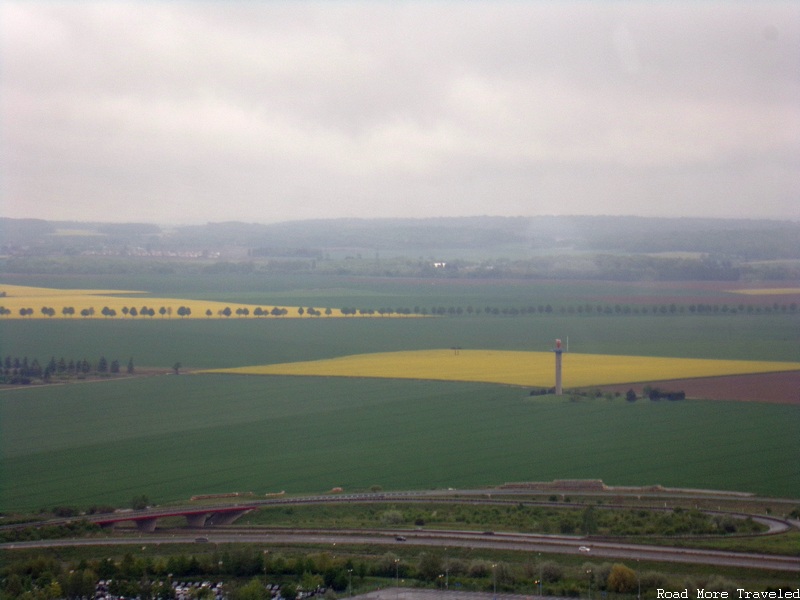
<point x="450" y="539"/>
<point x="598" y="548"/>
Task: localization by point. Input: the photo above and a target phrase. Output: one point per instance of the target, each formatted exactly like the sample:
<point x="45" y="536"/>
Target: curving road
<point x="465" y="539"/>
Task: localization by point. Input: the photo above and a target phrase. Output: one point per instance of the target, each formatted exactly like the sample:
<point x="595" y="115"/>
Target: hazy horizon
<point x="259" y="112"/>
<point x="246" y="222"/>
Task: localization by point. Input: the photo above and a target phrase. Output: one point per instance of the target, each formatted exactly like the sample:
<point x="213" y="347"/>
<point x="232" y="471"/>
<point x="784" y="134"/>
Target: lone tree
<point x="177" y="367"/>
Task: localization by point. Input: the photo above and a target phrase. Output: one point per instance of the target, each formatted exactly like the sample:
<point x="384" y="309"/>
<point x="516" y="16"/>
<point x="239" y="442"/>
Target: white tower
<point x="558" y="350"/>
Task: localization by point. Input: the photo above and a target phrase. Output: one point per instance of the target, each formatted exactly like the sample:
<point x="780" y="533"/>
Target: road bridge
<point x="195" y="517"/>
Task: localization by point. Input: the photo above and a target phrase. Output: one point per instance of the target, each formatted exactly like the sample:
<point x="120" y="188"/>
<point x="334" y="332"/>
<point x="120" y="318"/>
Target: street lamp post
<point x="638" y="582"/>
<point x="541" y="572"/>
<point x="350" y="580"/>
<point x="396" y="572"/>
<point x="494" y="579"/>
<point x="589" y="574"/>
<point x="446" y="571"/>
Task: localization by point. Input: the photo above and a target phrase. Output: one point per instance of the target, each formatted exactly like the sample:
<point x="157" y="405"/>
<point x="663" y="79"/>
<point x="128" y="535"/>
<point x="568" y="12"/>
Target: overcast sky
<point x="264" y="111"/>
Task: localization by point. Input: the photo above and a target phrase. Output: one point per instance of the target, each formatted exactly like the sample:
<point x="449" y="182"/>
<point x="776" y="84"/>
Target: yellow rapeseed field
<point x="26" y="291"/>
<point x="514" y="368"/>
<point x="93" y="302"/>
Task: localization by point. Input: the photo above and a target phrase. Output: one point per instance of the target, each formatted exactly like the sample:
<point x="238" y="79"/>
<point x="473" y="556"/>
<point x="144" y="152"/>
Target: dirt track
<point x="777" y="388"/>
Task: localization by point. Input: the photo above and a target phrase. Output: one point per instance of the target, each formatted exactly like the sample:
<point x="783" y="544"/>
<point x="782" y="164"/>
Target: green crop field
<point x="323" y="290"/>
<point x="214" y="343"/>
<point x="170" y="437"/>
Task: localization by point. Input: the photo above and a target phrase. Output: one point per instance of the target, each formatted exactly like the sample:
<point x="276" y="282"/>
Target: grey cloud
<point x="272" y="111"/>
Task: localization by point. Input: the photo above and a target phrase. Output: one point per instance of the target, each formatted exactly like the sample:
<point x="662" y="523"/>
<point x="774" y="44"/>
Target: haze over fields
<point x="188" y="112"/>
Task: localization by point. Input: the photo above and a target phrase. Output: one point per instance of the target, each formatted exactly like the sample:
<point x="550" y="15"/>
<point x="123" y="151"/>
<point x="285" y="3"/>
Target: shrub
<point x="479" y="568"/>
<point x="622" y="579"/>
<point x="392" y="517"/>
<point x="551" y="572"/>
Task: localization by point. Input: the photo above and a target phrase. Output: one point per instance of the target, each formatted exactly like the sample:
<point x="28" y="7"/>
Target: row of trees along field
<point x="587" y="309"/>
<point x="23" y="371"/>
<point x="69" y="311"/>
<point x="631" y="396"/>
<point x="164" y="311"/>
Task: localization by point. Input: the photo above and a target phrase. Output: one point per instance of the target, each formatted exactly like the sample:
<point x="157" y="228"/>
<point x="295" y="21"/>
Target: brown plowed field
<point x="778" y="388"/>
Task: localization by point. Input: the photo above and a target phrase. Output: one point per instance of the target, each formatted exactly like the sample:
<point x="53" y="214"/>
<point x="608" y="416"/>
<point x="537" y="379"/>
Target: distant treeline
<point x="603" y="267"/>
<point x="631" y="396"/>
<point x="25" y="371"/>
<point x="748" y="239"/>
<point x="286" y="252"/>
<point x="597" y="247"/>
<point x="585" y="309"/>
<point x="658" y="394"/>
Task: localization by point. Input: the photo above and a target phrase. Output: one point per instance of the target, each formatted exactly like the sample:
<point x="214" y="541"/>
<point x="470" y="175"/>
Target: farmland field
<point x="322" y="291"/>
<point x="781" y="388"/>
<point x="515" y="368"/>
<point x="217" y="343"/>
<point x="170" y="437"/>
<point x="110" y="304"/>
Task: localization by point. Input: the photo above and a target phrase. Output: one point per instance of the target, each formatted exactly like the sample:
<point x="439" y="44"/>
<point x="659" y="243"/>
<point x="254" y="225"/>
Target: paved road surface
<point x="414" y="594"/>
<point x="442" y="539"/>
